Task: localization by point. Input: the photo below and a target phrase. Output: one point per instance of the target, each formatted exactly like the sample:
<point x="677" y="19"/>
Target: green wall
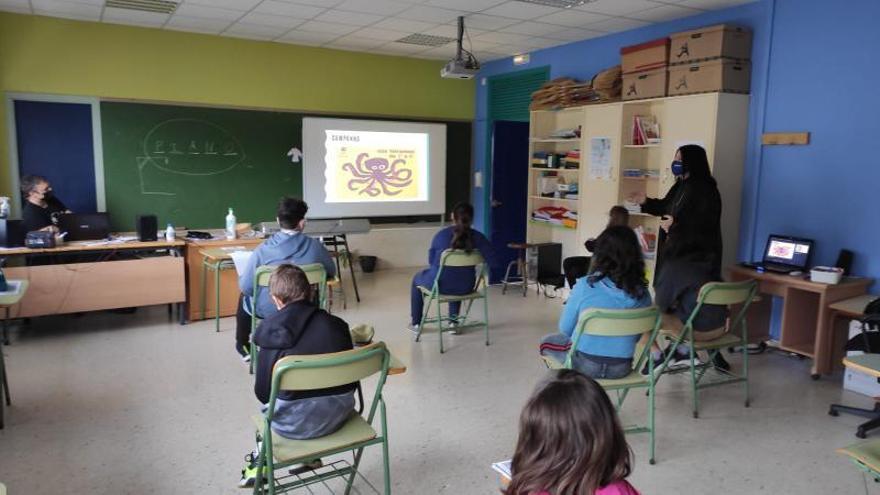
<point x="47" y="55"/>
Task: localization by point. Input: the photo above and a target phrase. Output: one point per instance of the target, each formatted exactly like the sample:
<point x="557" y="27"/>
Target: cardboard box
<point x="722" y="40"/>
<point x="724" y="75"/>
<point x="646" y="84"/>
<point x="645" y="56"/>
<point x="856" y="381"/>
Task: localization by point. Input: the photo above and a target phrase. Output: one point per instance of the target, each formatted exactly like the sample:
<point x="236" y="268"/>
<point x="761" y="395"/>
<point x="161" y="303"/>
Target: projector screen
<point x="370" y="168"/>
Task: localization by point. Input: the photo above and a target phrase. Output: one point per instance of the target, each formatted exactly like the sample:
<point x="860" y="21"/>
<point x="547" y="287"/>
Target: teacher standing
<point x="690" y="223"/>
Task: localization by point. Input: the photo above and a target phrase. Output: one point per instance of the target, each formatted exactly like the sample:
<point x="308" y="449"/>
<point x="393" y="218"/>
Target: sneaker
<point x="249" y="473"/>
<point x="683" y="360"/>
<point x="454" y="327"/>
<point x="657" y="362"/>
<point x="720" y="363"/>
<point x="414" y="328"/>
<point x="244" y="350"/>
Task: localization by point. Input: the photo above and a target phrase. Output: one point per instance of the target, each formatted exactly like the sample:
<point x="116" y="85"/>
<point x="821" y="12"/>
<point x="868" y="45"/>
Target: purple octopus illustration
<point x="375" y="176"/>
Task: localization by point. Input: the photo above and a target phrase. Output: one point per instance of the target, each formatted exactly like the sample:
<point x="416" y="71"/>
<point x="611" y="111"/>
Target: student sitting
<point x="570" y="441"/>
<point x="455" y="280"/>
<point x="298" y="328"/>
<point x="616" y="281"/>
<point x="288" y="246"/>
<point x="676" y="290"/>
<point x="618" y="215"/>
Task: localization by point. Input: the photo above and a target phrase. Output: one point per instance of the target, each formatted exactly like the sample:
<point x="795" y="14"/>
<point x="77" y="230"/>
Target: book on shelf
<point x="645" y="130"/>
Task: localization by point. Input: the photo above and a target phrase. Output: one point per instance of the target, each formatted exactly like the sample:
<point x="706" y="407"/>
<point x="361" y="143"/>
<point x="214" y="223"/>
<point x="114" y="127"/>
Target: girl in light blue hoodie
<point x="616" y="281"/>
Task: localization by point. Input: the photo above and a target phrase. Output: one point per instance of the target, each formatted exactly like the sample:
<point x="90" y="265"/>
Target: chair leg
<point x="425" y="313"/>
<point x="486" y="313"/>
<point x="506" y="278"/>
<point x="745" y="355"/>
<point x="354" y="469"/>
<point x="694" y="380"/>
<point x="217" y="297"/>
<point x="440" y="325"/>
<point x="524" y="271"/>
<point x="204" y="289"/>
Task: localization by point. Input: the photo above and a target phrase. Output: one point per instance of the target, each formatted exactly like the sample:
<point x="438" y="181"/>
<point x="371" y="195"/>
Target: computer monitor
<point x="84" y="226"/>
<point x="792" y="252"/>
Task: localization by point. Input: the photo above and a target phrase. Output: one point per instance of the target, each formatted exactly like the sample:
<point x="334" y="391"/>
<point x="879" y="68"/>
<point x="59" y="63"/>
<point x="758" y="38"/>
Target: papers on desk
<point x="503" y="468"/>
<point x="240" y="259"/>
<point x="12" y="287"/>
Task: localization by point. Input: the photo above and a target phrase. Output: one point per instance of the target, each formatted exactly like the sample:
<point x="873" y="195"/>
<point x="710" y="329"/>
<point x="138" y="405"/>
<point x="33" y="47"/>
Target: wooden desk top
<point x="396" y="366"/>
<point x="854" y="306"/>
<point x="81" y="246"/>
<point x="801" y="281"/>
<point x="223" y="253"/>
<point x="868" y="364"/>
<point x="13" y="299"/>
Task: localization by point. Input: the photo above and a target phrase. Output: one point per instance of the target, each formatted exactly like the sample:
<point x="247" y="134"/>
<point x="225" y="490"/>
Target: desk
<point x="868" y="364"/>
<point x="154" y="275"/>
<point x="7" y="301"/>
<point x="806" y="325"/>
<point x="229" y="290"/>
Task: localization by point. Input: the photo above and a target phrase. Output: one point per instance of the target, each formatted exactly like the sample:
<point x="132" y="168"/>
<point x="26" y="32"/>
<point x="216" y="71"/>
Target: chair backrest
<point x="461" y="258"/>
<point x="317" y="371"/>
<point x="261" y="279"/>
<point x="316" y="274"/>
<point x="617" y="323"/>
<point x="727" y="294"/>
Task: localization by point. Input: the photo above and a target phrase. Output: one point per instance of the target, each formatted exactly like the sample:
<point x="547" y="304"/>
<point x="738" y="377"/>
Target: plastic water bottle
<point x="230" y="225"/>
<point x="4" y="207"/>
<point x="169" y="233"/>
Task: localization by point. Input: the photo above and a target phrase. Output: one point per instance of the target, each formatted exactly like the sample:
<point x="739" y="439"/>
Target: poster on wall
<point x="600" y="158"/>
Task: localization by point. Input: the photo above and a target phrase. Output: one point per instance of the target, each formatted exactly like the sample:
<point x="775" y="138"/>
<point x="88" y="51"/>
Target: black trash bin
<point x="368" y="263"/>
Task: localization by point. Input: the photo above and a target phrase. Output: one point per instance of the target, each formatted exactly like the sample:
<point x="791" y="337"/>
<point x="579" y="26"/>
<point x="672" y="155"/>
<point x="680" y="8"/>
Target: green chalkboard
<point x="187" y="165"/>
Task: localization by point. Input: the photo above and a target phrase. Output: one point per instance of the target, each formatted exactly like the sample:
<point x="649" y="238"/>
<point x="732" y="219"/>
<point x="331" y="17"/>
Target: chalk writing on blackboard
<point x="188" y="147"/>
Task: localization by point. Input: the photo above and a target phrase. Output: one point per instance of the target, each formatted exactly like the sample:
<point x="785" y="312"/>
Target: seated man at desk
<point x="289" y="245"/>
<point x="40" y="208"/>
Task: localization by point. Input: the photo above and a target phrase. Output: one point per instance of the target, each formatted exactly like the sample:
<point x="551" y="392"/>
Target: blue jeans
<point x="425" y="278"/>
<point x="556" y="346"/>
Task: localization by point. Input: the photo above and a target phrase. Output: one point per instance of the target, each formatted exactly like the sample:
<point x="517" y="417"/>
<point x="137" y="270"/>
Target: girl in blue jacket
<point x="616" y="281"/>
<point x="455" y="280"/>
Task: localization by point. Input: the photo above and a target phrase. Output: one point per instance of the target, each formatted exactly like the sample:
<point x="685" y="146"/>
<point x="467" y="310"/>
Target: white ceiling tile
<point x="532" y="28"/>
<point x="664" y="13"/>
<point x="477" y="45"/>
<point x="433" y="15"/>
<point x="256" y="30"/>
<point x="618" y="7"/>
<point x="496" y="37"/>
<point x="274" y="7"/>
<point x="240" y="5"/>
<point x="297" y="36"/>
<point x="327" y="27"/>
<point x="543" y="42"/>
<point x="381" y="7"/>
<point x="572" y="17"/>
<point x="617" y="24"/>
<point x="712" y="4"/>
<point x="465" y="5"/>
<point x="574" y="34"/>
<point x="488" y="22"/>
<point x="346" y="17"/>
<point x="488" y="56"/>
<point x="197" y="24"/>
<point x="136" y="17"/>
<point x="271" y="20"/>
<point x="511" y="49"/>
<point x="401" y="48"/>
<point x="520" y="10"/>
<point x="408" y="25"/>
<point x="380" y="34"/>
<point x="326" y="4"/>
<point x="355" y="43"/>
<point x="451" y="31"/>
<point x="190" y="10"/>
<point x="69" y="10"/>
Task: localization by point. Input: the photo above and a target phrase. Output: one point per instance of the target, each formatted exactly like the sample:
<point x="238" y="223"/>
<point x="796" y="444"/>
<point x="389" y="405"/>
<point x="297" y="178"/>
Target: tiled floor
<point x="113" y="403"/>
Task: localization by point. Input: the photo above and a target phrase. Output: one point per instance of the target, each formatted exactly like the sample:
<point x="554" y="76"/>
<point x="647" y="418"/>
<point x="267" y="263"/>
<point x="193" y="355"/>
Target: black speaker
<point x="11" y="233"/>
<point x="147" y="228"/>
<point x="845" y="260"/>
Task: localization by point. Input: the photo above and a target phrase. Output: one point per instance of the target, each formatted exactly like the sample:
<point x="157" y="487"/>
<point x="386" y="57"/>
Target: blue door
<point x="55" y="141"/>
<point x="510" y="175"/>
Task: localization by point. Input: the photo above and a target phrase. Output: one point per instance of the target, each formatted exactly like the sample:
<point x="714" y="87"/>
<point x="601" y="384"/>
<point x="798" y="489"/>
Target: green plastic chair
<point x="866" y="457"/>
<point x="316" y="275"/>
<point x="621" y="323"/>
<point x="722" y="294"/>
<point x="456" y="258"/>
<point x="320" y="371"/>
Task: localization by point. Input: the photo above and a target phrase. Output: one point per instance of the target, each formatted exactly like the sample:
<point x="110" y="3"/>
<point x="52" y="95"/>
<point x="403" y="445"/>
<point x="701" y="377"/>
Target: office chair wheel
<point x="815" y="376"/>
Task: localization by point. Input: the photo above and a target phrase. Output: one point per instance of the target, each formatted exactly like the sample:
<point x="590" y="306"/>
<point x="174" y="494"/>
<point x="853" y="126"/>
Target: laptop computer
<point x="84" y="226"/>
<point x="785" y="254"/>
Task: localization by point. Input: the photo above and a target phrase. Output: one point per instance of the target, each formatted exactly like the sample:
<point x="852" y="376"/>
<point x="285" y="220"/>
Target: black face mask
<point x="47" y="195"/>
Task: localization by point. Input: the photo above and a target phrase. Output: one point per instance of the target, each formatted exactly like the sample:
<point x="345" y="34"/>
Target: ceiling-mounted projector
<point x="465" y="64"/>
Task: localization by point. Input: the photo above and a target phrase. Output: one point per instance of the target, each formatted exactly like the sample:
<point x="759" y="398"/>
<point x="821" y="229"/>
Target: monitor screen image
<point x="789" y="252"/>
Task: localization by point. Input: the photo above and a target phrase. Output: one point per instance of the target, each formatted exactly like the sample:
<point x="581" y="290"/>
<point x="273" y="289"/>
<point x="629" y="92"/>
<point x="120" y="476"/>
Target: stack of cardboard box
<point x="710" y="59"/>
<point x="645" y="69"/>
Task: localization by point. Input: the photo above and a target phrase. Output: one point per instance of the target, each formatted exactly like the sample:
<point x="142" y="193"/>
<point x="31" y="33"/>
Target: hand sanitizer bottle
<point x="169" y="233"/>
<point x="230" y="225"/>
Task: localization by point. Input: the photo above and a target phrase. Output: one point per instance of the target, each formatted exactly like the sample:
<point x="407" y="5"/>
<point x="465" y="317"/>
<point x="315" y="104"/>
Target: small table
<point x="7" y="301"/>
<point x="868" y="364"/>
<point x="217" y="260"/>
<point x="522" y="267"/>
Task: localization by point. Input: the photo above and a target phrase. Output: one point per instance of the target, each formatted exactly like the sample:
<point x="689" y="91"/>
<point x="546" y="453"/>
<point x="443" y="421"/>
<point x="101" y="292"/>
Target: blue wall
<point x="812" y="70"/>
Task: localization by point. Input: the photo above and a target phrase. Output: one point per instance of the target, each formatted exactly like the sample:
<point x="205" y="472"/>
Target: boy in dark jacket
<point x="299" y="328"/>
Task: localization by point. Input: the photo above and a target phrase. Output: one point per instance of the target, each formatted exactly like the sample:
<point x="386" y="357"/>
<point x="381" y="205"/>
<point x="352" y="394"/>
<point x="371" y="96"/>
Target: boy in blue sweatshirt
<point x="616" y="281"/>
<point x="289" y="245"/>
